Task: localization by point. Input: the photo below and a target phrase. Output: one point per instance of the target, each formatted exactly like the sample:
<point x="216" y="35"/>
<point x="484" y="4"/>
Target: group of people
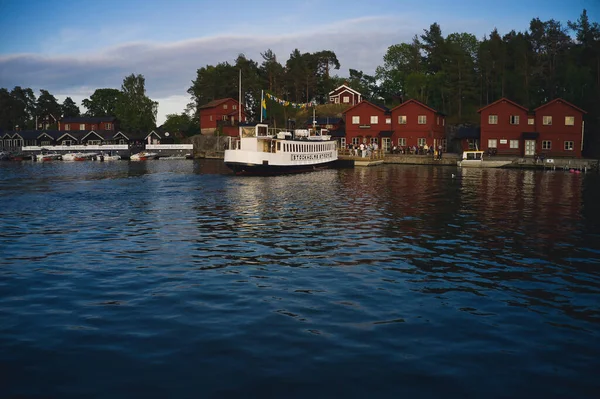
<point x="363" y="150"/>
<point x="419" y="150"/>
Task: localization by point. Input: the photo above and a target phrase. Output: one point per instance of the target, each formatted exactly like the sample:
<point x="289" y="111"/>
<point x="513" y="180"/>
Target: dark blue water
<point x="176" y="279"/>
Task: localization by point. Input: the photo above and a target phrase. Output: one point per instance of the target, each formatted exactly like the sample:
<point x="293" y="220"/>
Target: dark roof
<point x="88" y="119"/>
<point x="468" y="132"/>
<point x="28" y="134"/>
<point x="383" y="107"/>
<point x="215" y="103"/>
<point x="386" y="133"/>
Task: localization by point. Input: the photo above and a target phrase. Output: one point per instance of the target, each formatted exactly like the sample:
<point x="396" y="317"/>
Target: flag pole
<point x="261" y="105"/>
<point x="240" y="105"/>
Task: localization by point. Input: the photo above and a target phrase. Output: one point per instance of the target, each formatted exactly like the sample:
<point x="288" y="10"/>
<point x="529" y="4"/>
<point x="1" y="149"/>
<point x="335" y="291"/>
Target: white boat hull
<point x="482" y="164"/>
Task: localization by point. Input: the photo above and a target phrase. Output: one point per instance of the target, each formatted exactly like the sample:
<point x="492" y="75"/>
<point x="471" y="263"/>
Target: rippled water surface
<point x="177" y="279"/>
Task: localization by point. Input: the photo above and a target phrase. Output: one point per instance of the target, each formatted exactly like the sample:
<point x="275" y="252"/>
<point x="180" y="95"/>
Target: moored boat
<point x="71" y="156"/>
<point x="108" y="156"/>
<point x="263" y="151"/>
<point x="475" y="159"/>
<point x="46" y="156"/>
<point x="143" y="156"/>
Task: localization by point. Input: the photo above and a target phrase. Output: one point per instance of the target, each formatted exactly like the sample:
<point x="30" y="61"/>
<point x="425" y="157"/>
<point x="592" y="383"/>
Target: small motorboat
<point x="71" y="156"/>
<point x="108" y="156"/>
<point x="46" y="156"/>
<point x="144" y="156"/>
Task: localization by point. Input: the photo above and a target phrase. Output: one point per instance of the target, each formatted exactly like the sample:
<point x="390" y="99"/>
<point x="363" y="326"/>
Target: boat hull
<point x="482" y="164"/>
<point x="272" y="170"/>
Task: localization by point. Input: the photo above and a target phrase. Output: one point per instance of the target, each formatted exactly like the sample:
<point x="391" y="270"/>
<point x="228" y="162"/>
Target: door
<point x="386" y="144"/>
<point x="529" y="148"/>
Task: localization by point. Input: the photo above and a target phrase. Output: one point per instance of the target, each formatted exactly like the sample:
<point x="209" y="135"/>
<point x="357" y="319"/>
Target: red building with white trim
<point x="220" y="114"/>
<point x="344" y="95"/>
<point x="367" y="123"/>
<point x="560" y="126"/>
<point x="417" y="124"/>
<point x="80" y="123"/>
<point x="508" y="128"/>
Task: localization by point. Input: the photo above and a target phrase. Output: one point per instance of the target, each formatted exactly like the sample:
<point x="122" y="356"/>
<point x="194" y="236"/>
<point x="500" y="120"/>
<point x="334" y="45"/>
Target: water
<point x="177" y="279"/>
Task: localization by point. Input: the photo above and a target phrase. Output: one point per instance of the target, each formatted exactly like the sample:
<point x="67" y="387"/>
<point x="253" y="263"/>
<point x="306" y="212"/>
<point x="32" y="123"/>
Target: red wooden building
<point x="416" y="124"/>
<point x="107" y="123"/>
<point x="368" y="123"/>
<point x="560" y="127"/>
<point x="221" y="114"/>
<point x="507" y="128"/>
<point x="554" y="129"/>
<point x="344" y="95"/>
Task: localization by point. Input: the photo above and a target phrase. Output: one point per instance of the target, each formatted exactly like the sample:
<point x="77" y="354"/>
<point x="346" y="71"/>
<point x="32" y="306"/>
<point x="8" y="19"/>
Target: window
<point x="388" y="121"/>
<point x="402" y="142"/>
<point x="67" y="127"/>
<point x="82" y="126"/>
<point x="122" y="141"/>
<point x="547" y="120"/>
<point x="234" y="106"/>
<point x="210" y="118"/>
<point x="332" y="99"/>
<point x="108" y="126"/>
<point x="568" y="146"/>
<point x="337" y="100"/>
<point x="514" y="119"/>
<point x="374" y="140"/>
<point x="343" y="142"/>
<point x="45" y="142"/>
<point x="493" y="119"/>
<point x="530" y="121"/>
<point x="224" y="117"/>
<point x="443" y="121"/>
<point x="374" y="120"/>
<point x="356" y="120"/>
<point x="493" y="143"/>
<point x="438" y="120"/>
<point x="66" y="142"/>
<point x="422" y="119"/>
<point x="346" y="99"/>
<point x="569" y="121"/>
<point x="546" y="145"/>
<point x="514" y="144"/>
<point x="224" y="106"/>
<point x="93" y="142"/>
<point x="402" y="119"/>
<point x="421" y="141"/>
<point x="355" y="140"/>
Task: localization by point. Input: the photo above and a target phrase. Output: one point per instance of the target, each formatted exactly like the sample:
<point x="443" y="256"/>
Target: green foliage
<point x="102" y="103"/>
<point x="182" y="124"/>
<point x="69" y="108"/>
<point x="135" y="111"/>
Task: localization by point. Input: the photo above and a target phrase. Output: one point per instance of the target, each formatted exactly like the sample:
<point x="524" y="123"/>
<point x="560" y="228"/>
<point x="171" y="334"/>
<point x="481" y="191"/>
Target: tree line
<point x="455" y="73"/>
<point x="20" y="109"/>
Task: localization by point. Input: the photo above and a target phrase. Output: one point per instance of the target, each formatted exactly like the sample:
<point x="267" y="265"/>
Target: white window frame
<point x="355" y="141"/>
<point x="546" y="145"/>
<point x="514" y="143"/>
<point x="343" y="142"/>
<point x="346" y="99"/>
<point x="374" y="140"/>
<point x="402" y="141"/>
<point x="82" y="126"/>
<point x="94" y="142"/>
<point x="68" y="126"/>
<point x="514" y="119"/>
<point x="108" y="126"/>
<point x="211" y="118"/>
<point x="569" y="121"/>
<point x="224" y="106"/>
<point x="492" y="119"/>
<point x="547" y="120"/>
<point x="402" y="119"/>
<point x="531" y="121"/>
<point x="388" y="121"/>
<point x="492" y="143"/>
<point x="422" y="119"/>
<point x="234" y="106"/>
<point x="421" y="141"/>
<point x="569" y="145"/>
<point x="356" y="120"/>
<point x="336" y="100"/>
<point x="374" y="119"/>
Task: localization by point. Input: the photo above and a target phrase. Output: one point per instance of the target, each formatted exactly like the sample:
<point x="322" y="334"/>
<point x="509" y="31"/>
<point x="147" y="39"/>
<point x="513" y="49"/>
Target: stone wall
<point x="208" y="146"/>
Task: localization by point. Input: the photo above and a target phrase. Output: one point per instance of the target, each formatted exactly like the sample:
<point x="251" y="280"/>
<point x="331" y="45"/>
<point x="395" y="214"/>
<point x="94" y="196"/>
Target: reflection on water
<point x="176" y="278"/>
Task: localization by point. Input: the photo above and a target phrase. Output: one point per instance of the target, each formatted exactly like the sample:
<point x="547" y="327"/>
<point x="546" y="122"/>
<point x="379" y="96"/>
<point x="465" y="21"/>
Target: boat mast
<point x="240" y="105"/>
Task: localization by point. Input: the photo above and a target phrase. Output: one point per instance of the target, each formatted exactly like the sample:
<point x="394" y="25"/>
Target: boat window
<point x="278" y="146"/>
<point x="262" y="130"/>
<point x="470" y="155"/>
<point x="478" y="156"/>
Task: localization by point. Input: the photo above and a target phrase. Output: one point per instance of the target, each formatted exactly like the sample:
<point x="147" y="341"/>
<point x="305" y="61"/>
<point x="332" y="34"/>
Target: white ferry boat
<point x="261" y="150"/>
<point x="475" y="159"/>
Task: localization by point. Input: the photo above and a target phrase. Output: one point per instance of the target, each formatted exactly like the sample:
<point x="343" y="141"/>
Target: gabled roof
<point x="216" y="103"/>
<point x="346" y="87"/>
<point x="560" y="100"/>
<point x="364" y="102"/>
<point x="53" y="134"/>
<point x="88" y="119"/>
<point x="503" y="99"/>
<point x="27" y="134"/>
<point x="101" y="137"/>
<point x="71" y="135"/>
<point x="418" y="103"/>
<point x="153" y="133"/>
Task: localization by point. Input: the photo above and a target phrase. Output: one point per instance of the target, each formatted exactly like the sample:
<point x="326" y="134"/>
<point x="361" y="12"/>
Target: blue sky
<point x="73" y="47"/>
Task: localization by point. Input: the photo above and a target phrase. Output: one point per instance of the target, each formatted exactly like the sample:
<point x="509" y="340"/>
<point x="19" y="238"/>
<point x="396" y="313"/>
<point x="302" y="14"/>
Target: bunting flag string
<point x="289" y="103"/>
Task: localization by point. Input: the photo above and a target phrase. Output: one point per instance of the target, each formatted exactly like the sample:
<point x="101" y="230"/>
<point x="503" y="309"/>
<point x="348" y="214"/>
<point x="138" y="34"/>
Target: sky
<point x="72" y="48"/>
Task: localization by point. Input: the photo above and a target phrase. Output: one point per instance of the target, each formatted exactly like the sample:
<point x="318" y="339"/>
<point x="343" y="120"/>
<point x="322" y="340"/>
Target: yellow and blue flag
<point x="263" y="108"/>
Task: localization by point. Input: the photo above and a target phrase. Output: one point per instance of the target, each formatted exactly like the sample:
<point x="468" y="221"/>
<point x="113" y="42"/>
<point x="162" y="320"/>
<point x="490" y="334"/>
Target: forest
<point x="456" y="73"/>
